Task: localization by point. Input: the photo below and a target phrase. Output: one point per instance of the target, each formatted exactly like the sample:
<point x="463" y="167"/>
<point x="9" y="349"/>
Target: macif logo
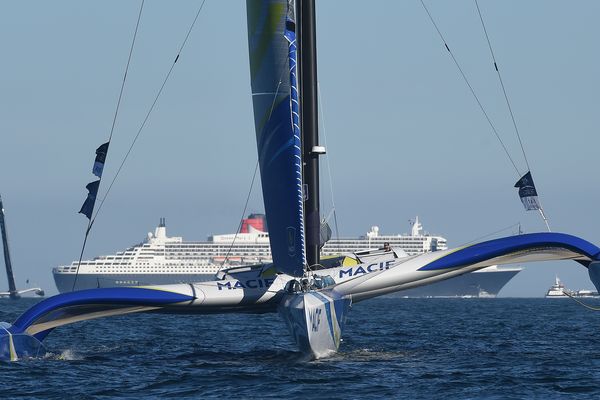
<point x="365" y="269"/>
<point x="314" y="316"/>
<point x="249" y="284"/>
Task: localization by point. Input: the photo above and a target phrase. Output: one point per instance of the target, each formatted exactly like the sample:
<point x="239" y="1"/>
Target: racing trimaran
<point x="310" y="294"/>
<point x="12" y="293"/>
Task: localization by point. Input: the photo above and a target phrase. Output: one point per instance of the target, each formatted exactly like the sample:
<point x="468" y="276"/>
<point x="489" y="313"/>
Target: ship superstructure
<point x="417" y="242"/>
<point x="162" y="259"/>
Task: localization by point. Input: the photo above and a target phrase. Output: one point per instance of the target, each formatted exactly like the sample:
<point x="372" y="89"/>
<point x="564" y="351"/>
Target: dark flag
<point x="527" y="192"/>
<point x="88" y="205"/>
<point x="100" y="158"/>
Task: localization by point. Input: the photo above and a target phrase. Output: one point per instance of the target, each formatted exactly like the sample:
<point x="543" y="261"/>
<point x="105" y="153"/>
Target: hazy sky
<point x="404" y="134"/>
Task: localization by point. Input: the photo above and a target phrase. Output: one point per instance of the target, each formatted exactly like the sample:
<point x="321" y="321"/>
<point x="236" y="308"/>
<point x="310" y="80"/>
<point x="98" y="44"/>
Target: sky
<point x="403" y="133"/>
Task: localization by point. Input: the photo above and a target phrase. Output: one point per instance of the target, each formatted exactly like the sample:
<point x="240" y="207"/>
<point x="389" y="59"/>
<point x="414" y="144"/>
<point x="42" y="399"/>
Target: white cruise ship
<point x="161" y="259"/>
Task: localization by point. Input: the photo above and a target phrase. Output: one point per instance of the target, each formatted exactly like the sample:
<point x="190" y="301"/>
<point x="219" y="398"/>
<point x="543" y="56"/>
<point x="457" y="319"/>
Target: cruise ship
<point x="162" y="259"/>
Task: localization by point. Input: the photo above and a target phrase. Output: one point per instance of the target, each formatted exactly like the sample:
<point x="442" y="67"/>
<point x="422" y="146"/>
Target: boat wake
<point x="261" y="355"/>
<point x="65" y="355"/>
<point x="365" y="355"/>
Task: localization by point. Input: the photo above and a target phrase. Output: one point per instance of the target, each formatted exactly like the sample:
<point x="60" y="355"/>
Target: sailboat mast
<point x="309" y="126"/>
<point x="12" y="288"/>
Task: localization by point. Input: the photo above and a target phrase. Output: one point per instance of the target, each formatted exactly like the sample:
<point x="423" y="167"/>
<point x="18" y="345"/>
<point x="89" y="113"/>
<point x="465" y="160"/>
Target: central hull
<point x="316" y="320"/>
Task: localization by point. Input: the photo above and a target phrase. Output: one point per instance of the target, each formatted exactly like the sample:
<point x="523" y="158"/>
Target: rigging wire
<point x="112" y="129"/>
<point x="477" y="239"/>
<point x="512" y="115"/>
<point x="242" y="217"/>
<point x="253" y="176"/>
<point x="487" y="117"/>
<point x="320" y="99"/>
<point x="167" y="76"/>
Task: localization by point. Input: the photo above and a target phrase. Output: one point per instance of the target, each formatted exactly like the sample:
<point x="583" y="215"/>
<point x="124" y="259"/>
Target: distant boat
<point x="558" y="291"/>
<point x="12" y="293"/>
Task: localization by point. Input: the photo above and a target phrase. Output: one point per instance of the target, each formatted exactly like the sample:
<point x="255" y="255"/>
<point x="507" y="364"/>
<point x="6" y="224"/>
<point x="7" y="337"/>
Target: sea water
<point x="392" y="348"/>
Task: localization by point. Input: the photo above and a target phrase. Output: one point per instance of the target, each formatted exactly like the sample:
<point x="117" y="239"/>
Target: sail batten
<point x="273" y="58"/>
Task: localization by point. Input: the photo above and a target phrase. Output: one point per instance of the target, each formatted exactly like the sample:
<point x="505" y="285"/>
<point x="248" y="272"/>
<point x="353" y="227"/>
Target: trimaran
<point x="12" y="293"/>
<point x="313" y="296"/>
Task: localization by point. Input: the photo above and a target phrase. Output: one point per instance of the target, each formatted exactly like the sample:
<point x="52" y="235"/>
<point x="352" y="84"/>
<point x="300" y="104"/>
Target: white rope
<point x="322" y="118"/>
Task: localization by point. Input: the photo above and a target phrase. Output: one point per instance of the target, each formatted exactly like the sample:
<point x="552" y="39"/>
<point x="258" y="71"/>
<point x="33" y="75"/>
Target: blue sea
<point x="392" y="348"/>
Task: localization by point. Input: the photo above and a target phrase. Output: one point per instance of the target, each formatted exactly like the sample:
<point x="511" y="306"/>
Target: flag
<point x="527" y="192"/>
<point x="88" y="205"/>
<point x="100" y="158"/>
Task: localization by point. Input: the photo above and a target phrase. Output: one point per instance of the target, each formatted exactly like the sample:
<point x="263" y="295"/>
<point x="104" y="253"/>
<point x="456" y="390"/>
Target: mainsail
<point x="272" y="47"/>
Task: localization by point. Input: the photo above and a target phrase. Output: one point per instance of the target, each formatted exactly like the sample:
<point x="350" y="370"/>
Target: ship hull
<point x="64" y="281"/>
<point x="473" y="284"/>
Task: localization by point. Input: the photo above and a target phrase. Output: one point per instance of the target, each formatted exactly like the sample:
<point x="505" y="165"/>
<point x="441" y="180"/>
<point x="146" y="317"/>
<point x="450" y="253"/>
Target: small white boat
<point x="557" y="290"/>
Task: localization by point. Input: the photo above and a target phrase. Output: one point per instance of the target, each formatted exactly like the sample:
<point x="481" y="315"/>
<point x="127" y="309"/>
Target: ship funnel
<point x="416" y="228"/>
<point x="161" y="229"/>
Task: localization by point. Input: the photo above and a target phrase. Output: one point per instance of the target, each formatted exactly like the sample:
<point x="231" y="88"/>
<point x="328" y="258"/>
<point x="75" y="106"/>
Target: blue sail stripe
<point x="273" y="68"/>
<point x="281" y="150"/>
